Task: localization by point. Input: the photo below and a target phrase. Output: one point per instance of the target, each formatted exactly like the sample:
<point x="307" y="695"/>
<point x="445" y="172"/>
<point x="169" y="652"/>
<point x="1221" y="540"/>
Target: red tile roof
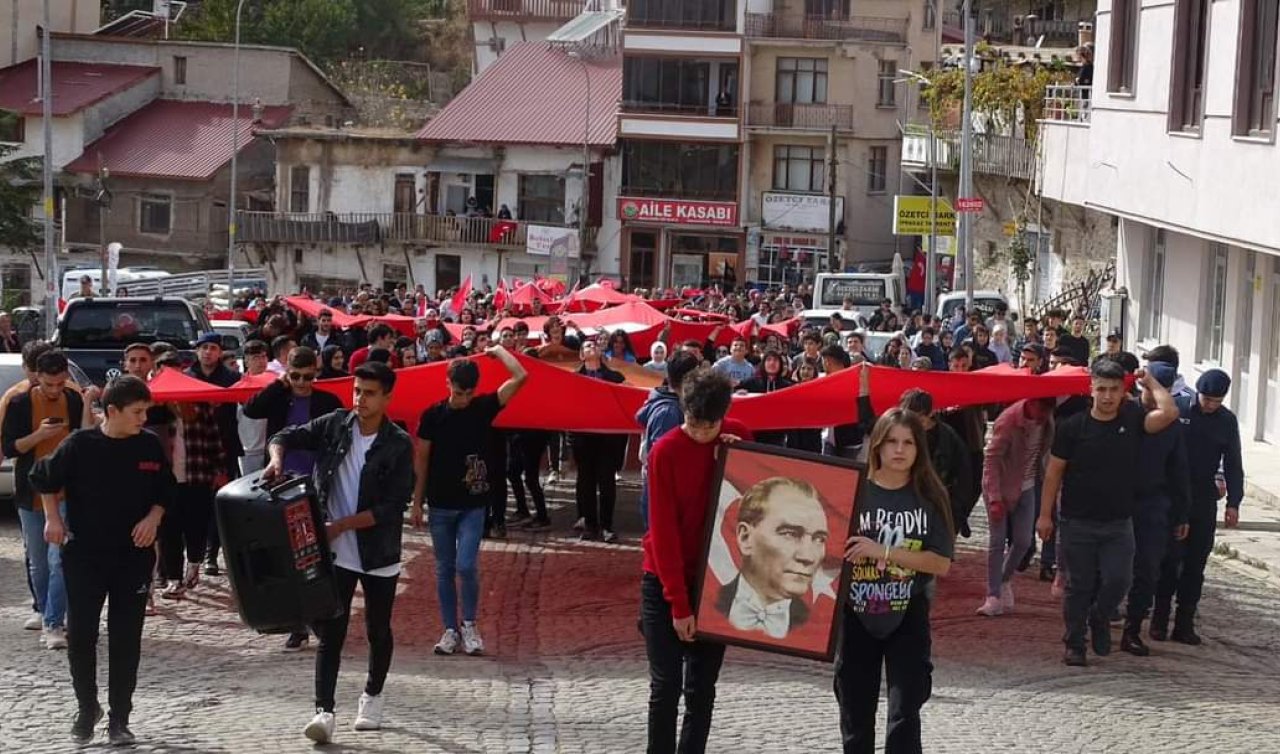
<point x="533" y="94"/>
<point x="170" y="139"/>
<point x="75" y="85"/>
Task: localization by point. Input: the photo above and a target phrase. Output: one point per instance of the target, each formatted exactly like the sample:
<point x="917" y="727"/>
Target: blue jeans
<point x="455" y="537"/>
<point x="45" y="563"/>
<point x="644" y="497"/>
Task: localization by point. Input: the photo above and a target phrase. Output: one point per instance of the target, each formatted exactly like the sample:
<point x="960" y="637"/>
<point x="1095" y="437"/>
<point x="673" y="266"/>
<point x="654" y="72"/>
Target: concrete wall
<point x="509" y="31"/>
<point x="19" y="19"/>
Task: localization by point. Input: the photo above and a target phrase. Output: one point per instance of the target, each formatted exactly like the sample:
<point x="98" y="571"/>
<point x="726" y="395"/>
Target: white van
<point x="985" y="302"/>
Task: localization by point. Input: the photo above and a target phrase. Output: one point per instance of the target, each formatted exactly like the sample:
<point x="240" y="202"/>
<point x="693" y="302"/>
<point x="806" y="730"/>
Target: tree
<point x="323" y="30"/>
<point x="20" y="190"/>
<point x="1001" y="92"/>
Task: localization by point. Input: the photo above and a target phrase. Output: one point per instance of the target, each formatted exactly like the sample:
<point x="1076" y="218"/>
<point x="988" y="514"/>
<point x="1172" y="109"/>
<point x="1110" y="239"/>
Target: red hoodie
<point x="680" y="478"/>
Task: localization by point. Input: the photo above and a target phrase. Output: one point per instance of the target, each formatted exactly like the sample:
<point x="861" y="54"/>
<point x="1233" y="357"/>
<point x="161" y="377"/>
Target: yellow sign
<point x="913" y="216"/>
<point x="1010" y="229"/>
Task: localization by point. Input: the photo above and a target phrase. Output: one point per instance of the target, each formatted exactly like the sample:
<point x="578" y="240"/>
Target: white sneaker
<point x="472" y="644"/>
<point x="369" y="715"/>
<point x="580" y="524"/>
<point x="174" y="591"/>
<point x="192" y="576"/>
<point x="320" y="729"/>
<point x="1006" y="597"/>
<point x="54" y="637"/>
<point x="991" y="607"/>
<point x="34" y="622"/>
<point x="448" y="643"/>
<point x="553" y="478"/>
<point x="617" y="477"/>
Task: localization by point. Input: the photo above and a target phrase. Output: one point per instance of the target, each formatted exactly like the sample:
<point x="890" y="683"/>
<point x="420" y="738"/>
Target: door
<point x="643" y="252"/>
<point x="448" y="271"/>
<point x="404" y="202"/>
<point x="1271" y="423"/>
<point x="484" y="193"/>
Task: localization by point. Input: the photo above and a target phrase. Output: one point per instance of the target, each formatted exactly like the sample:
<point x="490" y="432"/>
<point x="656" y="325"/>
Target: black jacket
<point x="1162" y="471"/>
<point x="1212" y="440"/>
<point x="273" y="402"/>
<point x="228" y="426"/>
<point x="17" y="425"/>
<point x="336" y="338"/>
<point x="759" y="384"/>
<point x="386" y="482"/>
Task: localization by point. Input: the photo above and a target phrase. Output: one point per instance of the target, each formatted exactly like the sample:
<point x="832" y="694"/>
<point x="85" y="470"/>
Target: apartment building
<point x="496" y="25"/>
<point x="1177" y="140"/>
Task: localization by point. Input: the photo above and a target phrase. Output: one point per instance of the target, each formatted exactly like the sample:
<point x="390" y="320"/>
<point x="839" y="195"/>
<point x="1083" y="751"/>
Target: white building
<point x="1178" y="141"/>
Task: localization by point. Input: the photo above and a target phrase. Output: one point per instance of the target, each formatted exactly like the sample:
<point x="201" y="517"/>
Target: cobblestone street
<point x="565" y="671"/>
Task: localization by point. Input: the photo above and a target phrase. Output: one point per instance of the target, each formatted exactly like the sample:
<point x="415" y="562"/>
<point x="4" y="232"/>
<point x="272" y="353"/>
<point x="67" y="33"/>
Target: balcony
<point x="992" y="154"/>
<point x="1067" y="103"/>
<point x="799" y="117"/>
<point x="868" y="29"/>
<point x="372" y="228"/>
<point x="696" y="15"/>
<point x="524" y="10"/>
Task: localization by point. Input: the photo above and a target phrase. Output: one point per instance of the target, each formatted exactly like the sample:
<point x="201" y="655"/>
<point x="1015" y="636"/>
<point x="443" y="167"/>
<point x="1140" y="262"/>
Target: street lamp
<point x="930" y="258"/>
<point x="235" y="148"/>
<point x="586" y="157"/>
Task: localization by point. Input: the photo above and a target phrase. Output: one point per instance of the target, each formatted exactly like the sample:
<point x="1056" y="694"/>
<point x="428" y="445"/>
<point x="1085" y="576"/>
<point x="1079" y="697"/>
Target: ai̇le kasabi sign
<point x="678" y="211"/>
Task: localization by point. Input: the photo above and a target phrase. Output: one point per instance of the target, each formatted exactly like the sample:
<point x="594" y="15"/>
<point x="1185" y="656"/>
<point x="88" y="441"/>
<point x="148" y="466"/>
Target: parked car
<point x="234" y="333"/>
<point x="11" y="373"/>
<point x="94" y="332"/>
<point x="984" y="302"/>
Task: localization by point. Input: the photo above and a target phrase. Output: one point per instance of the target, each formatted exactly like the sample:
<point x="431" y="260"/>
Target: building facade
<point x="498" y="24"/>
<point x="1177" y="140"/>
<point x="19" y="20"/>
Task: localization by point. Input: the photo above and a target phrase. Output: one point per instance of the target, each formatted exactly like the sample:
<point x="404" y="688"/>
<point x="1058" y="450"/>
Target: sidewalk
<point x="1254" y="546"/>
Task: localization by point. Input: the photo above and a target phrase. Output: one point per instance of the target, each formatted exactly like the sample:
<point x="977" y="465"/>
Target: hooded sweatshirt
<point x="660" y="414"/>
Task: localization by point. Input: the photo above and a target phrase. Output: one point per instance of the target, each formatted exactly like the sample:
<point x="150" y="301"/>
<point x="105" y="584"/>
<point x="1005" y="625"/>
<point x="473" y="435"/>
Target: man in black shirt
<point x="455" y="478"/>
<point x="1092" y="464"/>
<point x="117" y="484"/>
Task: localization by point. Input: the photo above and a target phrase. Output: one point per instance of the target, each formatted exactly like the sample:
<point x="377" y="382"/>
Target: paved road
<point x="565" y="672"/>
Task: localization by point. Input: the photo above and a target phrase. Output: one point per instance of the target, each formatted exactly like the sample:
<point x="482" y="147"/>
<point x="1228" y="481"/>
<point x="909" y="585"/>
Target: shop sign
<point x="677" y="211"/>
<point x="799" y="211"/>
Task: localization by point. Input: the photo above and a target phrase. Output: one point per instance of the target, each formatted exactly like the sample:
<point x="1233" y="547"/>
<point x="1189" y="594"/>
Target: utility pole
<point x="102" y="198"/>
<point x="966" y="157"/>
<point x="51" y="274"/>
<point x="832" y="164"/>
<point x="235" y="149"/>
<point x="931" y="259"/>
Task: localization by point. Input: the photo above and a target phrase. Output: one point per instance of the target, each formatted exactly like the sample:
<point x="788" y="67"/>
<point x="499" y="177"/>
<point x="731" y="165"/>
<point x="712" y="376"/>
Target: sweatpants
<point x="1151" y="537"/>
<point x="524" y="463"/>
<point x="120" y="576"/>
<point x="906" y="657"/>
<point x="596" y="488"/>
<point x="379" y="598"/>
<point x="1001" y="560"/>
<point x="1182" y="572"/>
<point x="1098" y="557"/>
<point x="185" y="529"/>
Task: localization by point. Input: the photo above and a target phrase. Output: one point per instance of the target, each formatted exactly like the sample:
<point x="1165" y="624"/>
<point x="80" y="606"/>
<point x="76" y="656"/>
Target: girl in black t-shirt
<point x="904" y="538"/>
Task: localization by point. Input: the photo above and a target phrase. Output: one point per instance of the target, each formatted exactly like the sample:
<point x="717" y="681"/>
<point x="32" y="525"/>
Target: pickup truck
<point x="93" y="332"/>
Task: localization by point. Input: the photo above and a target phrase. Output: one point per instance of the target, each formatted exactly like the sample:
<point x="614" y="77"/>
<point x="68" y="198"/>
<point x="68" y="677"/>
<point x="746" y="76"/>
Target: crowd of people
<point x="1122" y="485"/>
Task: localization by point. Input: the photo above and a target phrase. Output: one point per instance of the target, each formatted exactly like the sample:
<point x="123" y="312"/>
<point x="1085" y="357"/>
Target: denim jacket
<point x="386" y="482"/>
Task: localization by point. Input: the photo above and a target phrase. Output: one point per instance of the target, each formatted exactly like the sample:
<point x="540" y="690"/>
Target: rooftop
<point x="75" y="85"/>
<point x="534" y="94"/>
<point x="171" y="139"/>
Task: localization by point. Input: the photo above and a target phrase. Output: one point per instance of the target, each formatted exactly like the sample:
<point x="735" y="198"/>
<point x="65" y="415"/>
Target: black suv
<point x="93" y="332"/>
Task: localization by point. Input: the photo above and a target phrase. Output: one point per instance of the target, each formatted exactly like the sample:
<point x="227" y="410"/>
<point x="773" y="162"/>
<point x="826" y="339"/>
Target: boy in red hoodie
<point x="681" y="470"/>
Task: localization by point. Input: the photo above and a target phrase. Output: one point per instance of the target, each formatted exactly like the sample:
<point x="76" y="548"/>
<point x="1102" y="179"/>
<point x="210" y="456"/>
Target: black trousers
<point x="676" y="668"/>
<point x="555" y="448"/>
<point x="524" y="462"/>
<point x="1151" y="537"/>
<point x="121" y="576"/>
<point x="497" y="462"/>
<point x="379" y="599"/>
<point x="905" y="656"/>
<point x="185" y="527"/>
<point x="1182" y="571"/>
<point x="597" y="458"/>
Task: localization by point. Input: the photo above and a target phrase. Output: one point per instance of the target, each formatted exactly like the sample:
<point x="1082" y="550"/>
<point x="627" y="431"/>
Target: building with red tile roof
<point x="76" y="85"/>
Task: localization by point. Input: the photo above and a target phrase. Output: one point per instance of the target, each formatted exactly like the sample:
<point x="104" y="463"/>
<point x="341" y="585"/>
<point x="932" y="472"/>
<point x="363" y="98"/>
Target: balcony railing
<point x="710" y="110"/>
<point x="1067" y="103"/>
<point x="372" y="228"/>
<point x="992" y="154"/>
<point x="523" y="10"/>
<point x="804" y="117"/>
<point x="854" y="29"/>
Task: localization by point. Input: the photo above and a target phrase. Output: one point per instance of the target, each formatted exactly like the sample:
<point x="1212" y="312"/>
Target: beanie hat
<point x="1214" y="383"/>
<point x="1163" y="372"/>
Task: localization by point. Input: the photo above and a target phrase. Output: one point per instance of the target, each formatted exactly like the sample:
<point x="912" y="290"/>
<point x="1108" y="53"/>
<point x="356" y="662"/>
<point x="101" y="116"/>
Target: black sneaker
<point x="1075" y="658"/>
<point x="538" y="523"/>
<point x="1100" y="637"/>
<point x="1186" y="635"/>
<point x="589" y="535"/>
<point x="118" y="734"/>
<point x="1131" y="642"/>
<point x="85" y="722"/>
<point x="520" y="516"/>
<point x="211" y="568"/>
<point x="1046" y="573"/>
<point x="500" y="532"/>
<point x="297" y="642"/>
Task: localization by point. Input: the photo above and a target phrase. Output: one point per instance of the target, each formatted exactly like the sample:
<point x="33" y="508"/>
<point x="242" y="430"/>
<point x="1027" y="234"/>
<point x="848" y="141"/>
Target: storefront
<point x="677" y="243"/>
<point x="794" y="238"/>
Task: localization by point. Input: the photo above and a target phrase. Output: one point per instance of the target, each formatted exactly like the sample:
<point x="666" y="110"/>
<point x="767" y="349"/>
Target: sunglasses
<point x="300" y="377"/>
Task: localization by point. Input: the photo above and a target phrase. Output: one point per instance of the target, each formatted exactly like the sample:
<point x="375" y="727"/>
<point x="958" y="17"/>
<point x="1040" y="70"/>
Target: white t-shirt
<point x="343" y="501"/>
<point x="253" y="432"/>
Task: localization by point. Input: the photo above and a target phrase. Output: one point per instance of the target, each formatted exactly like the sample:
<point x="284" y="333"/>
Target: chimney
<point x="257" y="111"/>
<point x="1084" y="33"/>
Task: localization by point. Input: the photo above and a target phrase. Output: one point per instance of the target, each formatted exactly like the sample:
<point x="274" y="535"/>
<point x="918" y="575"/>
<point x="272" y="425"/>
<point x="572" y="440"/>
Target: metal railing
<point x="709" y="110"/>
<point x="524" y="10"/>
<point x="871" y="29"/>
<point x="196" y="284"/>
<point x="1067" y="103"/>
<point x="809" y="117"/>
<point x="373" y="228"/>
<point x="992" y="154"/>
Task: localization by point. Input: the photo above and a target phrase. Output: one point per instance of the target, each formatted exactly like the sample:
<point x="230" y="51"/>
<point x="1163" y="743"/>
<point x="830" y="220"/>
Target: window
<point x="179" y="69"/>
<point x="694" y="14"/>
<point x="1254" y="113"/>
<point x="300" y="188"/>
<point x="802" y="80"/>
<point x="930" y="14"/>
<point x="155" y="214"/>
<point x="1152" y="303"/>
<point x="674" y="170"/>
<point x="877" y="169"/>
<point x="643" y="253"/>
<point x="651" y="84"/>
<point x="886" y="88"/>
<point x="1191" y="42"/>
<point x="1124" y="45"/>
<point x="15" y="286"/>
<point x="1213" y="317"/>
<point x="828" y="9"/>
<point x="541" y="199"/>
<point x="13" y="128"/>
<point x="798" y="168"/>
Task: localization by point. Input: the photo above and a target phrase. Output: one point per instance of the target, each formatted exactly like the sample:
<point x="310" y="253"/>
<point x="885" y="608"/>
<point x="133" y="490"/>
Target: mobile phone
<point x="56" y="420"/>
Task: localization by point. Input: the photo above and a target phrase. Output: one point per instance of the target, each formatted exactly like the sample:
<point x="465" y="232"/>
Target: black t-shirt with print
<point x="1102" y="463"/>
<point x="900" y="519"/>
<point x="458" y="473"/>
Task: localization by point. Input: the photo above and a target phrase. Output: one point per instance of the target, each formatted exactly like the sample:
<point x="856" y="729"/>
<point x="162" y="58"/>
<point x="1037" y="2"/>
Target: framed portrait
<point x="772" y="574"/>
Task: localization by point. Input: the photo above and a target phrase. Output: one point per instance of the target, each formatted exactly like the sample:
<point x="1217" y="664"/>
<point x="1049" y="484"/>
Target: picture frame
<point x="778" y="584"/>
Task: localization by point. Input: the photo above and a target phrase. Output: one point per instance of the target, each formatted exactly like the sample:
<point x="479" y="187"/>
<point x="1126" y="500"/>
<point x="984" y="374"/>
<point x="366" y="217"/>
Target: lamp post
<point x="583" y="203"/>
<point x="235" y="148"/>
<point x="966" y="157"/>
<point x="51" y="285"/>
